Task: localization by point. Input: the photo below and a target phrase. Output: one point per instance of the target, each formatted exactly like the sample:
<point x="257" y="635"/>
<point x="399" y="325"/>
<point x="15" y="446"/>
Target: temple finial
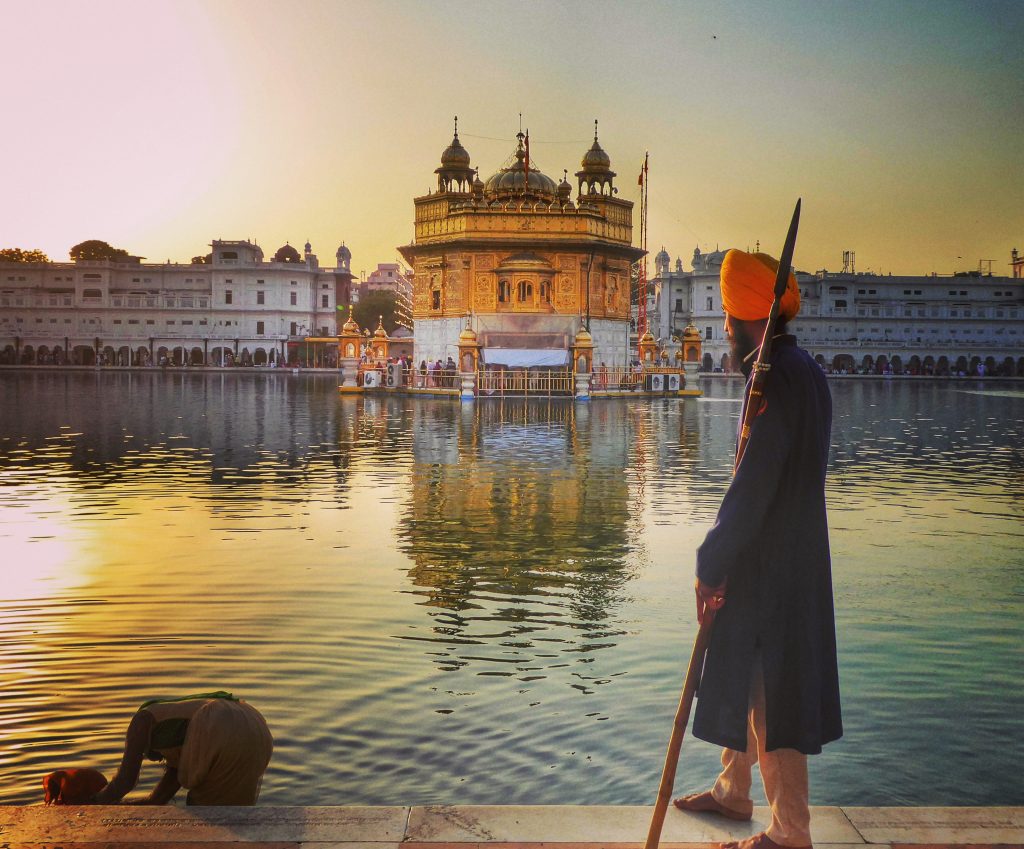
<point x="595" y="129"/>
<point x="456" y="126"/>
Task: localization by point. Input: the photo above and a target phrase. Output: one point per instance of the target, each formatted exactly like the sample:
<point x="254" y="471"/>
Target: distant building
<point x="234" y="308"/>
<point x="860" y="322"/>
<point x="520" y="263"/>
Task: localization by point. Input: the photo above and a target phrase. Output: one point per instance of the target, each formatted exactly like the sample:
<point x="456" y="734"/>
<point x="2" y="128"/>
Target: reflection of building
<point x="513" y="501"/>
<point x="233" y="307"/>
<point x="855" y="321"/>
<point x="520" y="260"/>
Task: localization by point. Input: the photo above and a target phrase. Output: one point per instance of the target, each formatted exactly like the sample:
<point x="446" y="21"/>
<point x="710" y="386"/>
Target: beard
<point x="742" y="342"/>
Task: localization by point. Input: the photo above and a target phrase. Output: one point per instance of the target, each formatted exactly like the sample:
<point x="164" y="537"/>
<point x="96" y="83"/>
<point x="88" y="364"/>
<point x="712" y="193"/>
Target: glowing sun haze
<point x="157" y="126"/>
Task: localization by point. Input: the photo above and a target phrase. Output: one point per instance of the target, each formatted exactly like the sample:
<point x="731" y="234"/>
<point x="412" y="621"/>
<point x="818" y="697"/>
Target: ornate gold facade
<point x="517" y="255"/>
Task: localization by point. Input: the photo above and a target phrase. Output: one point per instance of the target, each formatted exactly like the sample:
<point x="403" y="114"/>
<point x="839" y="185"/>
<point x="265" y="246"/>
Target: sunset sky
<point x="158" y="126"/>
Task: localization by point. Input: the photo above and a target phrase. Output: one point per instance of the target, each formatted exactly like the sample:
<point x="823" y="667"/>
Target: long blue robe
<point x="770" y="541"/>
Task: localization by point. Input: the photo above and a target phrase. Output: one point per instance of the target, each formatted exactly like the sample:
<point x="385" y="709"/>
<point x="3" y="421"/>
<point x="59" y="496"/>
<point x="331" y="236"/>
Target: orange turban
<point x="748" y="287"/>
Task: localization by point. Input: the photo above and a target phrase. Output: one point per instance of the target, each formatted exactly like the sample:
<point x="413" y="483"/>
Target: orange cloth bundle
<point x="748" y="283"/>
<point x="72" y="786"/>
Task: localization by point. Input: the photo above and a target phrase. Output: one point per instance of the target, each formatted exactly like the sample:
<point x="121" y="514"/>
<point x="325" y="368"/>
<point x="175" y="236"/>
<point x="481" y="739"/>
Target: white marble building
<point x="857" y="322"/>
<point x="235" y="308"/>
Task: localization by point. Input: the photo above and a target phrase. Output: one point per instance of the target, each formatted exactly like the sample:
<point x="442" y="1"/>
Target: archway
<point x="8" y="355"/>
<point x="708" y="364"/>
<point x="928" y="366"/>
<point x="109" y="355"/>
<point x="942" y="366"/>
<point x="196" y="357"/>
<point x="882" y="365"/>
<point x="961" y="365"/>
<point x="142" y="357"/>
<point x="43" y="356"/>
<point x="914" y="366"/>
<point x="1006" y="369"/>
<point x="59" y="357"/>
<point x="28" y="355"/>
<point x="217" y="357"/>
<point x="245" y="358"/>
<point x="842" y="363"/>
<point x="259" y="357"/>
<point x="162" y="357"/>
<point x="867" y="365"/>
<point x="84" y="355"/>
<point x="990" y="365"/>
<point x="1020" y="367"/>
<point x="124" y="356"/>
<point x="820" y="360"/>
<point x="972" y="368"/>
<point x="726" y="363"/>
<point x="897" y="364"/>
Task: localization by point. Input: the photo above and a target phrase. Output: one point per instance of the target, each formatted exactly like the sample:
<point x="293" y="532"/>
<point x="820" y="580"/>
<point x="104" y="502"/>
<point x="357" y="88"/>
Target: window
<point x="116" y="320"/>
<point x="840" y="304"/>
<point x="545" y="291"/>
<point x="150" y="321"/>
<point x="228" y="255"/>
<point x="325" y="301"/>
<point x="170" y="321"/>
<point x="294" y="299"/>
<point x="294" y="329"/>
<point x="504" y="295"/>
<point x="524" y="291"/>
<point x="259" y="282"/>
<point x="133" y="321"/>
<point x="711" y="303"/>
<point x="708" y="332"/>
<point x="187" y="321"/>
<point x="259" y="328"/>
<point x="92" y="293"/>
<point x="679" y="305"/>
<point x="228" y="297"/>
<point x="259" y="298"/>
<point x="322" y="286"/>
<point x="435" y="299"/>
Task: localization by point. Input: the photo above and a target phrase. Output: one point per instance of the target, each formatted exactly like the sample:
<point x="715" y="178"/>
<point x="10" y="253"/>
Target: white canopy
<point x="525" y="357"/>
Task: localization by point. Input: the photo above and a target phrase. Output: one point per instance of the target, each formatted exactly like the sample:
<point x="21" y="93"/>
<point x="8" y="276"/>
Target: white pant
<point x="783" y="771"/>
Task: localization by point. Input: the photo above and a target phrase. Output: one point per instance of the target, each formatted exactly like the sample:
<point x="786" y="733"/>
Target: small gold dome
<point x="647" y="338"/>
<point x="380" y="332"/>
<point x="691" y="333"/>
<point x="350" y="325"/>
<point x="583" y="337"/>
<point x="468" y="334"/>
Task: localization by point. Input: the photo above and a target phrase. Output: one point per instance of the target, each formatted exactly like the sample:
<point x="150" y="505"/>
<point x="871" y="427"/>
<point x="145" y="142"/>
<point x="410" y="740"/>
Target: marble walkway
<point x="483" y="827"/>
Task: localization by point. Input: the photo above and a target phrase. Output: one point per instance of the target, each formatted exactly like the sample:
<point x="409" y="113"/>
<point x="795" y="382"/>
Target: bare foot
<point x="758" y="841"/>
<point x="706" y="803"/>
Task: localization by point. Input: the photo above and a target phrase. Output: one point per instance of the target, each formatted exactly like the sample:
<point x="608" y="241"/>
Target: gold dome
<point x="380" y="332"/>
<point x="648" y="337"/>
<point x="583" y="337"/>
<point x="350" y="325"/>
<point x="515" y="182"/>
<point x="691" y="333"/>
<point x="595" y="160"/>
<point x="468" y="334"/>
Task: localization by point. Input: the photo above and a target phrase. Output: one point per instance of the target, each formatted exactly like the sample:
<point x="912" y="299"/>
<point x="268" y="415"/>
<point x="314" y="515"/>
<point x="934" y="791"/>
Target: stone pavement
<point x="483" y="827"/>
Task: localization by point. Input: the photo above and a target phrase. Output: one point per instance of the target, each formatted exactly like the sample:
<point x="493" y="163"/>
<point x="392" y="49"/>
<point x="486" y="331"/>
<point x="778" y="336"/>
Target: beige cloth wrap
<point x="226" y="751"/>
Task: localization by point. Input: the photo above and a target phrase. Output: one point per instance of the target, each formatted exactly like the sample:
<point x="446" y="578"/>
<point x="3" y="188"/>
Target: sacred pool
<point x="491" y="602"/>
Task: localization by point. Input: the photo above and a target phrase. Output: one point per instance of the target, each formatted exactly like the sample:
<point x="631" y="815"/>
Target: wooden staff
<point x="675" y="743"/>
<point x="700" y="644"/>
<point x="761" y="364"/>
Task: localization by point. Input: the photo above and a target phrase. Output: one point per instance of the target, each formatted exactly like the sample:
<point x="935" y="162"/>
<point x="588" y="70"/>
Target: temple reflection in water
<point x="514" y="512"/>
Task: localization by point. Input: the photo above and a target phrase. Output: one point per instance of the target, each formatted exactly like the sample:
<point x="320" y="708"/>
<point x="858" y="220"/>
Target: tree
<point x="202" y="260"/>
<point x="94" y="249"/>
<point x="372" y="305"/>
<point x="19" y="255"/>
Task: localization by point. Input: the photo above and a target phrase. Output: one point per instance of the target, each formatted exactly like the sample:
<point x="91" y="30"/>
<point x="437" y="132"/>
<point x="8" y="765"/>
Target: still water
<point x="486" y="604"/>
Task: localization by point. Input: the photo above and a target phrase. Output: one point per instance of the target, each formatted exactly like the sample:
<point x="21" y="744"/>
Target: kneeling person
<point x="214" y="745"/>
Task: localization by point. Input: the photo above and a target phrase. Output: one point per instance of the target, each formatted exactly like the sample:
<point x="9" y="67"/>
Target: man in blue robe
<point x="769" y="691"/>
